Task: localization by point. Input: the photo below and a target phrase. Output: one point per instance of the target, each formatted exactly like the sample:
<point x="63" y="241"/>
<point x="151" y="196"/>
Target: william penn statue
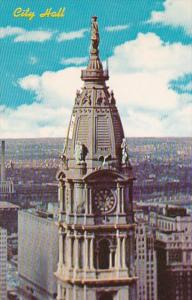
<point x="94" y="34"/>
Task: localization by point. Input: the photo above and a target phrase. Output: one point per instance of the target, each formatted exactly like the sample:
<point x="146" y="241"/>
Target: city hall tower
<point x="96" y="226"/>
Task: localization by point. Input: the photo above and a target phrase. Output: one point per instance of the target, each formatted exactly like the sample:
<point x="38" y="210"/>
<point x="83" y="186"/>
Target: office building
<point x="37" y="254"/>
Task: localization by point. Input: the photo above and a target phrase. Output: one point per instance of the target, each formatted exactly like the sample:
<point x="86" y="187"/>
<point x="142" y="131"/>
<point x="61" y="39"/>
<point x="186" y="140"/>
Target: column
<point x="76" y="252"/>
<point x="61" y="250"/>
<point x="91" y="252"/>
<point x="86" y="199"/>
<point x="118" y="197"/>
<point x="90" y="201"/>
<point x="69" y="252"/>
<point x="86" y="251"/>
<point x="118" y="253"/>
<point x="67" y="294"/>
<point x="71" y="208"/>
<point x="110" y="258"/>
<point x="122" y="200"/>
<point x="124" y="252"/>
<point x="61" y="292"/>
<point x="62" y="195"/>
<point x="85" y="292"/>
<point x="74" y="292"/>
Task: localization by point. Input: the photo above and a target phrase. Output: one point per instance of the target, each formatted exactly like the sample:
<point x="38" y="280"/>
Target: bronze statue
<point x="94" y="34"/>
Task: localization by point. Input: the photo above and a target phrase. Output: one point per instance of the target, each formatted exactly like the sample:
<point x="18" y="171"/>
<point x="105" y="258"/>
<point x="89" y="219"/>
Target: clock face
<point x="104" y="200"/>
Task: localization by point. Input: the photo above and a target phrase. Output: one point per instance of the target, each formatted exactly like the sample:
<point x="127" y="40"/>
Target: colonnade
<point x="68" y="205"/>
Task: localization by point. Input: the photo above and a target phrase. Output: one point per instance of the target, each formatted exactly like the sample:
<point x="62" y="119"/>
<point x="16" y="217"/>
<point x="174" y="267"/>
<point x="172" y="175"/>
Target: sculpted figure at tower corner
<point x="125" y="154"/>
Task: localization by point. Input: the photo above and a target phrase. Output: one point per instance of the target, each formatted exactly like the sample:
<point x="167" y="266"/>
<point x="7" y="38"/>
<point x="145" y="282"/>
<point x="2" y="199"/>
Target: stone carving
<point x="99" y="98"/>
<point x="112" y="98"/>
<point x="125" y="154"/>
<point x="105" y="160"/>
<point x="79" y="153"/>
<point x="86" y="98"/>
<point x="64" y="160"/>
<point x="78" y="97"/>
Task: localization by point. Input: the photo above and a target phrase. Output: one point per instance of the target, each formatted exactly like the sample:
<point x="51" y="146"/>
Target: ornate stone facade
<point x="96" y="226"/>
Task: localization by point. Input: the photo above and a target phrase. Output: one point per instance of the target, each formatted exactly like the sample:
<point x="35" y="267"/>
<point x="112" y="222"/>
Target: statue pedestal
<point x="81" y="168"/>
<point x="127" y="169"/>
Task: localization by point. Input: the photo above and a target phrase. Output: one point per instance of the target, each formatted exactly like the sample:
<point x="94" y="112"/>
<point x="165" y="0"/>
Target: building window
<point x="103" y="255"/>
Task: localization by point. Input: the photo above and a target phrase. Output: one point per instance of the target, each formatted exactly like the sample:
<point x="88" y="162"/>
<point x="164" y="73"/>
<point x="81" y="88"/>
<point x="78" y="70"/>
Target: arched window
<point x="103" y="255"/>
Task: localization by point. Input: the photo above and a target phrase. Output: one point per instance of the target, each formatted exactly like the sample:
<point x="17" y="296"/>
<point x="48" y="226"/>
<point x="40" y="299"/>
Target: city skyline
<point x="95" y="150"/>
<point x="148" y="52"/>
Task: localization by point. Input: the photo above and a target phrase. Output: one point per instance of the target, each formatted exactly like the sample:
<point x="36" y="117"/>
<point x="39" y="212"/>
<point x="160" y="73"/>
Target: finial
<point x="94" y="36"/>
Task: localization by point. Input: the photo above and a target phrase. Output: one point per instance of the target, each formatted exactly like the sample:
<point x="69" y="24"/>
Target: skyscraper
<point x="37" y="255"/>
<point x="3" y="263"/>
<point x="146" y="262"/>
<point x="96" y="225"/>
<point x="6" y="186"/>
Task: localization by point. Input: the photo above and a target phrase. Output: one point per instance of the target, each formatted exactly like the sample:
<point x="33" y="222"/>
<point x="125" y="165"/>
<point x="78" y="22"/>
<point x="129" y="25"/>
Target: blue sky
<point x="148" y="44"/>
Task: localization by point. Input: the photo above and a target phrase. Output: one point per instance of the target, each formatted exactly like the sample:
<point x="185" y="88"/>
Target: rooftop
<point x="8" y="205"/>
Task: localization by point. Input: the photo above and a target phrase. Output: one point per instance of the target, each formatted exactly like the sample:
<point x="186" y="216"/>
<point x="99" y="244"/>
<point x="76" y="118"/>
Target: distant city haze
<point x="162" y="166"/>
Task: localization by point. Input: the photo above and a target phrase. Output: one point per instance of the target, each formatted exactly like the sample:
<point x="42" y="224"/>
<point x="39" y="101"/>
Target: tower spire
<point x="94" y="71"/>
<point x="94" y="60"/>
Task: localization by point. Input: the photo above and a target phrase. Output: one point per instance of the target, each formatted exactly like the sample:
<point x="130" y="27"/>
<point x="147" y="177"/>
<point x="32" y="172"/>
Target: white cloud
<point x="35" y="120"/>
<point x="49" y="115"/>
<point x="140" y="72"/>
<point x="66" y="36"/>
<point x="149" y="53"/>
<point x="33" y="36"/>
<point x="9" y="31"/>
<point x="176" y="13"/>
<point x="59" y="94"/>
<point x="179" y="122"/>
<point x="74" y="60"/>
<point x="23" y="35"/>
<point x="142" y="69"/>
<point x="116" y="28"/>
<point x="175" y="123"/>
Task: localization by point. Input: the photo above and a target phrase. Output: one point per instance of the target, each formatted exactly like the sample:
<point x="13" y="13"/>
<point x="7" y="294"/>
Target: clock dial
<point x="104" y="201"/>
